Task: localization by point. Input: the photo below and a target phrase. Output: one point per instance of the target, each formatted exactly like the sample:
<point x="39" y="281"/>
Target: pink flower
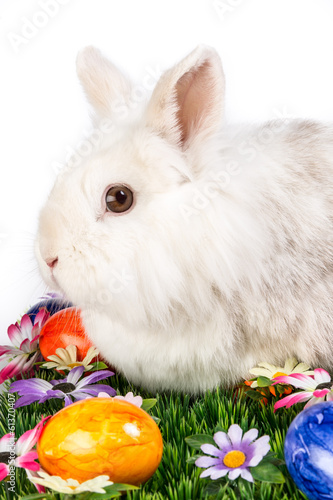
<point x="21" y="453"/>
<point x="316" y="388"/>
<point x="24" y="351"/>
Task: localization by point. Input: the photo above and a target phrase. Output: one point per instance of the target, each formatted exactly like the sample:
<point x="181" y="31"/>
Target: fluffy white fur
<point x="226" y="258"/>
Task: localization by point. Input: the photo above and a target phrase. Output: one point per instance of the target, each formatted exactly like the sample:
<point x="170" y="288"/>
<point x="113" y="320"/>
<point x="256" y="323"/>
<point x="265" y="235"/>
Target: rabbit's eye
<point x="119" y="199"/>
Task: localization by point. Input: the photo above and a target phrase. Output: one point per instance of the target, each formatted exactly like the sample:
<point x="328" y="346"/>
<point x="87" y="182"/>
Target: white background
<point x="277" y="56"/>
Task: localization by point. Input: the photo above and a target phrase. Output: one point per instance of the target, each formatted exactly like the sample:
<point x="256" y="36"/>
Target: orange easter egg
<point x="63" y="329"/>
<point x="101" y="436"/>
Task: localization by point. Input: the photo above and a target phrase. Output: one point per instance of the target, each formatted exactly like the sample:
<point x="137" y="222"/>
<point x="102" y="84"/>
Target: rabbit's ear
<point x="102" y="82"/>
<point x="188" y="99"/>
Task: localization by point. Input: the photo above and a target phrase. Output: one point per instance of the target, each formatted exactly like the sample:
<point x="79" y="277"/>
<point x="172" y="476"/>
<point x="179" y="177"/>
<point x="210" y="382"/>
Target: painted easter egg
<point x="101" y="436"/>
<point x="308" y="451"/>
<point x="62" y="329"/>
<point x="50" y="305"/>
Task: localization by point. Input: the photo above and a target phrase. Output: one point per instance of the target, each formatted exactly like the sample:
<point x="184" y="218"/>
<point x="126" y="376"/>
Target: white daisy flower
<point x="66" y="359"/>
<point x="272" y="371"/>
<point x="234" y="454"/>
<point x="71" y="486"/>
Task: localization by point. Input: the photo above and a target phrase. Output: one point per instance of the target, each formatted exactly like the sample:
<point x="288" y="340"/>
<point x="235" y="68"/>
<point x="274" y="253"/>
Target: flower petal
<point x="261" y="446"/>
<point x="31" y="475"/>
<point x="214" y="471"/>
<point x="298" y="380"/>
<point x="94" y="390"/>
<point x="27" y="461"/>
<point x="135" y="400"/>
<point x="207" y="461"/>
<point x="289" y="365"/>
<point x="94" y="377"/>
<point x="25" y="346"/>
<point x="78" y="395"/>
<point x="211" y="450"/>
<point x="222" y="440"/>
<point x="75" y="374"/>
<point x="41" y="318"/>
<point x="68" y="400"/>
<point x="15" y="334"/>
<point x="6" y="442"/>
<point x="314" y="401"/>
<point x="297" y="397"/>
<point x="54" y="358"/>
<point x="320" y="393"/>
<point x="303" y="368"/>
<point x="35" y="385"/>
<point x="218" y="472"/>
<point x="321" y="376"/>
<point x="91" y="353"/>
<point x="255" y="460"/>
<point x="26" y="400"/>
<point x="235" y="434"/>
<point x="14" y="367"/>
<point x="70" y="353"/>
<point x="26" y="326"/>
<point x="4" y="471"/>
<point x="250" y="436"/>
<point x="58" y="394"/>
<point x="246" y="474"/>
<point x="262" y="372"/>
<point x="234" y="473"/>
<point x="94" y="485"/>
<point x="270" y="367"/>
<point x="9" y="351"/>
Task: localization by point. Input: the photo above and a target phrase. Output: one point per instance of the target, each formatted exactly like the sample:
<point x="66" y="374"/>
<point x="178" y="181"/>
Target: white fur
<point x="226" y="258"/>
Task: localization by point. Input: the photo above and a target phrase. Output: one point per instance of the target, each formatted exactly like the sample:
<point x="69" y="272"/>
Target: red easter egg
<point x="63" y="329"/>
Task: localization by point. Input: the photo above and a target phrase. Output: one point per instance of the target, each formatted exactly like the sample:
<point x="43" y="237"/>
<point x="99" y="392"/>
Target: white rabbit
<point x="194" y="249"/>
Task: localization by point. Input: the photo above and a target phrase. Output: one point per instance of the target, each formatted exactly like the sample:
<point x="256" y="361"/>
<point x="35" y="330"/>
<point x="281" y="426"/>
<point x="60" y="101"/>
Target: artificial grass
<point x="182" y="416"/>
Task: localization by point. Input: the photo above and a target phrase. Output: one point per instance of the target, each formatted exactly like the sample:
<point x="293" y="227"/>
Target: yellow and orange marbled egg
<point x="98" y="436"/>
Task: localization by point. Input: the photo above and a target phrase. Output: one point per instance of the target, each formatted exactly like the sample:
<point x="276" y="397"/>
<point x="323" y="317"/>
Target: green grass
<point x="182" y="416"/>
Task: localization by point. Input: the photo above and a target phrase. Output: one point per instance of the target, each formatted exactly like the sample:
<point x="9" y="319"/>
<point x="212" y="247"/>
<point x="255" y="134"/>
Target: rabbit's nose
<point x="52" y="262"/>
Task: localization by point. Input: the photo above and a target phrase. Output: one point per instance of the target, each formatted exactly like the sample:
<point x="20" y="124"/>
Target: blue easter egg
<point x="51" y="305"/>
<point x="308" y="451"/>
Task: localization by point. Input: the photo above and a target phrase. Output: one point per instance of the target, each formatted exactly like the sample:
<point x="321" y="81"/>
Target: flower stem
<point x="7" y="491"/>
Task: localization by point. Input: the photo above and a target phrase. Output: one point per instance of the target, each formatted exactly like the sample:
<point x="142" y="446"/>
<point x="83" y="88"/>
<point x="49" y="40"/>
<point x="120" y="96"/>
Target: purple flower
<point x="24" y="351"/>
<point x="316" y="388"/>
<point x="234" y="455"/>
<point x="69" y="388"/>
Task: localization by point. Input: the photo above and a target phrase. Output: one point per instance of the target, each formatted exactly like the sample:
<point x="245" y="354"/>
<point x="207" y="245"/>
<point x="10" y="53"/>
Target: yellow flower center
<point x="279" y="374"/>
<point x="234" y="459"/>
<point x="73" y="365"/>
